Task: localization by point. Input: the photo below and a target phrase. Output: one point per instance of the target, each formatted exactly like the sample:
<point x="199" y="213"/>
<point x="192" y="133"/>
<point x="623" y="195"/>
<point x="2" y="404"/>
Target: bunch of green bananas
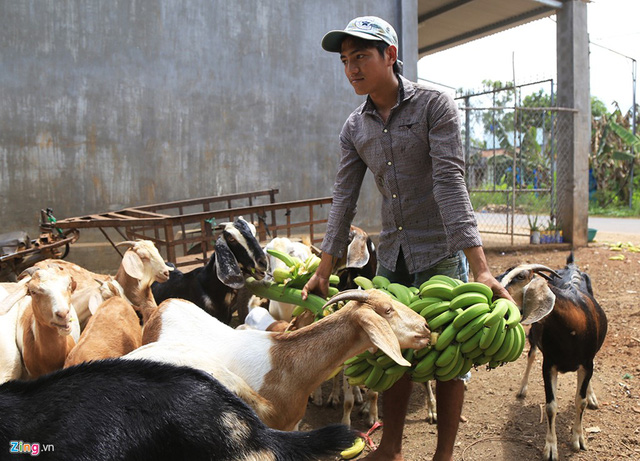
<point x="376" y="371"/>
<point x="288" y="282"/>
<point x="467" y="328"/>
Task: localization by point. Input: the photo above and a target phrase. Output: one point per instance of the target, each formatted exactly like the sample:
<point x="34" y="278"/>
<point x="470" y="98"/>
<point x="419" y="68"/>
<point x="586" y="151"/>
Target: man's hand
<point x="498" y="290"/>
<point x="317" y="285"/>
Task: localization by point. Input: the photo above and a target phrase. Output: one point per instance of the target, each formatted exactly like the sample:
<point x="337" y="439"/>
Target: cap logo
<point x="364" y="25"/>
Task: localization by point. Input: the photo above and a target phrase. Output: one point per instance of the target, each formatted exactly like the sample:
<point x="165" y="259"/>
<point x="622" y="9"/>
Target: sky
<point x="529" y="53"/>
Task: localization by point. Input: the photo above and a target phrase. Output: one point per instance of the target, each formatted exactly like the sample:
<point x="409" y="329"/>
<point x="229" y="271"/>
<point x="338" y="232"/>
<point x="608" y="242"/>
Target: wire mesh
<point x="512" y="137"/>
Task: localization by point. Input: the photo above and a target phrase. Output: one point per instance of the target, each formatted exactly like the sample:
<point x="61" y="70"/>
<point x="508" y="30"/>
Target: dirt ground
<point x="500" y="427"/>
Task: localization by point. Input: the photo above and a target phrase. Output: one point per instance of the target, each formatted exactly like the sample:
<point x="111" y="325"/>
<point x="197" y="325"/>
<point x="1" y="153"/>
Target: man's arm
<point x="481" y="272"/>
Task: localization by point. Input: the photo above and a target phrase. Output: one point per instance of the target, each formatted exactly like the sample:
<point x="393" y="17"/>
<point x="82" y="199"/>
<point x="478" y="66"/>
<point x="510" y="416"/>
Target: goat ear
<point x="537" y="301"/>
<point x="8" y="301"/>
<point x="94" y="302"/>
<point x="133" y="265"/>
<point x="381" y="334"/>
<point x="227" y="267"/>
<point x="357" y="252"/>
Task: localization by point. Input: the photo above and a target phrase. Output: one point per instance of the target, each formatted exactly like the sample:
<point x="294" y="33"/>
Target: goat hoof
<point x="521" y="395"/>
<point x="432" y="418"/>
<point x="550" y="453"/>
<point x="578" y="444"/>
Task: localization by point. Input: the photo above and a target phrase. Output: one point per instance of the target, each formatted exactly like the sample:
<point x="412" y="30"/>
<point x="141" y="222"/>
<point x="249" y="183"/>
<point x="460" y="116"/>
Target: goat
<point x="568" y="326"/>
<point x="141" y="256"/>
<point x="150" y="411"/>
<point x="284" y="368"/>
<point x="214" y="287"/>
<point x="115" y="328"/>
<point x="360" y="259"/>
<point x="44" y="321"/>
<point x="283" y="311"/>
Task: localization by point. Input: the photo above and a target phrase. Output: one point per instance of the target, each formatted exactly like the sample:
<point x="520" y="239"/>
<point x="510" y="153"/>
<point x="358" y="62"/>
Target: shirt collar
<point x="406" y="89"/>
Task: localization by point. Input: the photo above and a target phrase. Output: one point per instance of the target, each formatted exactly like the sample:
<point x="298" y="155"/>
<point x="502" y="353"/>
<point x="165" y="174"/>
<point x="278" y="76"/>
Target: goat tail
<point x="317" y="444"/>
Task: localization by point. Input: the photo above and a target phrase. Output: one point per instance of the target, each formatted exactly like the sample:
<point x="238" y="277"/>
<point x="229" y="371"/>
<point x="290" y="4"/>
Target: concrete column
<point x="574" y="129"/>
<point x="407" y="29"/>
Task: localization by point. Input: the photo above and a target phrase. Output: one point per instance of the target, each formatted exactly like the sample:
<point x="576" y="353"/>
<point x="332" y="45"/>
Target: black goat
<point x="139" y="410"/>
<point x="568" y="326"/>
<point x="214" y="287"/>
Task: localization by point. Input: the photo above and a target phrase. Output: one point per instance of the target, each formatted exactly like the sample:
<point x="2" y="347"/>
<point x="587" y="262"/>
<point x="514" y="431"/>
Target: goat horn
<point x="349" y="295"/>
<point x="128" y="243"/>
<point x="539" y="269"/>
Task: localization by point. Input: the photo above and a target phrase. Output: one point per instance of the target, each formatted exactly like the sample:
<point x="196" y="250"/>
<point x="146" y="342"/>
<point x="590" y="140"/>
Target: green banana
<point x="386" y="382"/>
<point x="357" y="368"/>
<point x="443" y="319"/>
<point x="447" y="355"/>
<point x="420" y="303"/>
<point x="423" y="378"/>
<point x="354" y="450"/>
<point x="518" y="344"/>
<point x="355" y="359"/>
<point x="422" y="352"/>
<point x="396" y="369"/>
<point x="507" y="345"/>
<point x="471" y="328"/>
<point x="334" y="279"/>
<point x="470" y="313"/>
<point x="437" y="289"/>
<point x="498" y="310"/>
<point x="280" y="274"/>
<point x="476" y="287"/>
<point x="468" y="363"/>
<point x="384" y="361"/>
<point x="374" y="377"/>
<point x="401" y="292"/>
<point x="498" y="339"/>
<point x="408" y="354"/>
<point x="471" y="344"/>
<point x="446" y="279"/>
<point x="428" y="362"/>
<point x="477" y="352"/>
<point x="286" y="258"/>
<point x="468" y="299"/>
<point x="448" y="373"/>
<point x="482" y="359"/>
<point x="445" y="338"/>
<point x="380" y="281"/>
<point x="513" y="315"/>
<point x="358" y="380"/>
<point x="435" y="309"/>
<point x="487" y="336"/>
<point x="363" y="282"/>
<point x="285" y="294"/>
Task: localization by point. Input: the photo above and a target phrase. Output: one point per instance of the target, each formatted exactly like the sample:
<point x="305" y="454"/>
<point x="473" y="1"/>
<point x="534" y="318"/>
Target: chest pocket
<point x="413" y="135"/>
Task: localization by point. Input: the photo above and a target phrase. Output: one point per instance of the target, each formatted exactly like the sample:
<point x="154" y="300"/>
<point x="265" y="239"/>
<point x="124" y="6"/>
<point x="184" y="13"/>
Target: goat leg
<point x="577" y="433"/>
<point x="531" y="356"/>
<point x="550" y="377"/>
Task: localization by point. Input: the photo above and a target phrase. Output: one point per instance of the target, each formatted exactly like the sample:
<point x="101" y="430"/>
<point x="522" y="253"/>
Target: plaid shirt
<point x="418" y="165"/>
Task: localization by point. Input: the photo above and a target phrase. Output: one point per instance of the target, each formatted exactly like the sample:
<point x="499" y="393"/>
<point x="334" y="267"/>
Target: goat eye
<point x="231" y="239"/>
<point x="388" y="311"/>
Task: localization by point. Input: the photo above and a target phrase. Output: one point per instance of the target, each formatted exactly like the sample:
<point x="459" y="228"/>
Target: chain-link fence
<point x="512" y="137"/>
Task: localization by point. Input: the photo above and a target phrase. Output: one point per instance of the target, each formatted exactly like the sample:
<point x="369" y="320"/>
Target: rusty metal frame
<point x="179" y="232"/>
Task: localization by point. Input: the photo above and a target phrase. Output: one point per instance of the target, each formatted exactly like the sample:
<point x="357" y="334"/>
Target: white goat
<point x="114" y="328"/>
<point x="284" y="368"/>
<point x="45" y="324"/>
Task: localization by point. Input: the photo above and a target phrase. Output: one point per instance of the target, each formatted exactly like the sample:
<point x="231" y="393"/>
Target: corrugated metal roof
<point x="443" y="24"/>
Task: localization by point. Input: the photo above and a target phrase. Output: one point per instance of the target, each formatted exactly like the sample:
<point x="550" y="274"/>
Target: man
<point x="409" y="137"/>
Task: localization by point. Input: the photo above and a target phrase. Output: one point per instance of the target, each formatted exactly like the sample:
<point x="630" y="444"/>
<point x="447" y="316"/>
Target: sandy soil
<point x="500" y="427"/>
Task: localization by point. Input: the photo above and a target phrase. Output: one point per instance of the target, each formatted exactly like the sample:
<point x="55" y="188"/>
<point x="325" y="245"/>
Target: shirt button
<point x="385" y="130"/>
<point x="394" y="196"/>
<point x="389" y="163"/>
<point x="399" y="228"/>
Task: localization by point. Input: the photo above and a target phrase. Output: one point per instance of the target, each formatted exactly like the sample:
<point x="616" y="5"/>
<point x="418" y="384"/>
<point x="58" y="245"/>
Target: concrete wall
<point x="106" y="104"/>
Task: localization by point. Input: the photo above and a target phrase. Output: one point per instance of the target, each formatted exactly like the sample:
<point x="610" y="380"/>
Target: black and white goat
<point x="568" y="326"/>
<point x="214" y="287"/>
<point x="141" y="410"/>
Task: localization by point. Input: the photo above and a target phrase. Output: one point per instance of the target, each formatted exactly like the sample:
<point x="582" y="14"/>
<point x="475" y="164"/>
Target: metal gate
<point x="512" y="136"/>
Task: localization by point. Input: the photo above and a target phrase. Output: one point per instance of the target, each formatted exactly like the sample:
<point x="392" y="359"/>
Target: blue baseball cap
<point x="365" y="27"/>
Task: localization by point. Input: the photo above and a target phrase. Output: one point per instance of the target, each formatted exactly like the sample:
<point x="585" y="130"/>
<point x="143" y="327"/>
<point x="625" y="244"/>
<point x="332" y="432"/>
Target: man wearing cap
<point x="408" y="135"/>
